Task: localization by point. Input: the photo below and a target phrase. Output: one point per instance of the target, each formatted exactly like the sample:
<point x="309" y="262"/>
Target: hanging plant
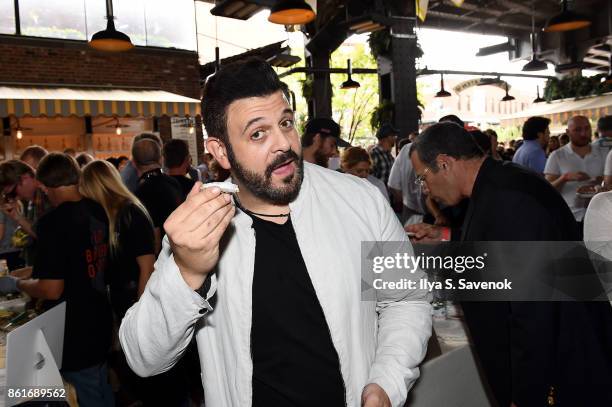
<point x="380" y="44"/>
<point x="307" y="85"/>
<point x="383" y="113"/>
<point x="575" y="87"/>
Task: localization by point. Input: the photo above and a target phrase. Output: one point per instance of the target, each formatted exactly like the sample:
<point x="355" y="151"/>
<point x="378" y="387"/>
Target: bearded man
<point x="271" y="287"/>
<point x="321" y="140"/>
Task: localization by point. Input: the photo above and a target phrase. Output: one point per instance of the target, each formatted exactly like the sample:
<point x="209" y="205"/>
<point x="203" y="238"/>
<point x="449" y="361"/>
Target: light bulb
<point x="19" y="134"/>
<point x="191" y="129"/>
<point x="118" y="130"/>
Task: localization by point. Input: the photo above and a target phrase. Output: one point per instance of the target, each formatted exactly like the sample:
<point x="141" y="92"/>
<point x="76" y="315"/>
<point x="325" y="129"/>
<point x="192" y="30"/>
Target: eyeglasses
<point x="420" y="179"/>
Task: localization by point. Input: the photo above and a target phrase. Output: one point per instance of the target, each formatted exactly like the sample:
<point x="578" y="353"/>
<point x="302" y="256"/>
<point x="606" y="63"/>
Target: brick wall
<point x="50" y="61"/>
<point x="34" y="60"/>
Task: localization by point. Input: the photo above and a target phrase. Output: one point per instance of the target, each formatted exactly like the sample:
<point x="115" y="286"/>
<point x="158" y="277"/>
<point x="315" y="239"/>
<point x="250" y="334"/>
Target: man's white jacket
<point x="380" y="341"/>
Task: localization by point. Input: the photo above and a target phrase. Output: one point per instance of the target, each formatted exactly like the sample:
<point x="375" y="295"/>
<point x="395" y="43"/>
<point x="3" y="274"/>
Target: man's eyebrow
<point x="250" y="123"/>
<point x="256" y="119"/>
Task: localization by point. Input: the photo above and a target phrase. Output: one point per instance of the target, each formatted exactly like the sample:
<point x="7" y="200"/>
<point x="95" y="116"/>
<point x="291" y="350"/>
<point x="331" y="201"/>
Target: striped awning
<point x="560" y="111"/>
<point x="38" y="101"/>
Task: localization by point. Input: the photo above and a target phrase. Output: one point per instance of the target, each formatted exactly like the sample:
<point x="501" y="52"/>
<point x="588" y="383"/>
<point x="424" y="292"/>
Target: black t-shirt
<point x="135" y="238"/>
<point x="185" y="183"/>
<point x="294" y="360"/>
<point x="73" y="246"/>
<point x="160" y="194"/>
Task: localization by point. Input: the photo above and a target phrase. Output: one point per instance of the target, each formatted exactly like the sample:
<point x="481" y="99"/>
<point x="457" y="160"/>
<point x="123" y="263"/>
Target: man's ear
<point x="317" y="140"/>
<point x="219" y="152"/>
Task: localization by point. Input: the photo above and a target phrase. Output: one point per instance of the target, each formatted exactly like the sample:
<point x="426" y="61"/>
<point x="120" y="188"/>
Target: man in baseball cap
<point x="320" y="140"/>
<point x="382" y="160"/>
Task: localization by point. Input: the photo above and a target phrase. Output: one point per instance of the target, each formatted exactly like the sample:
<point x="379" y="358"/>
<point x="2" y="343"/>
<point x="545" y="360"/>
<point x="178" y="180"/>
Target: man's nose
<point x="281" y="140"/>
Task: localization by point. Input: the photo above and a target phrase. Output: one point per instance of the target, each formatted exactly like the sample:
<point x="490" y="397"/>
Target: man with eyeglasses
<point x="520" y="344"/>
<point x="18" y="182"/>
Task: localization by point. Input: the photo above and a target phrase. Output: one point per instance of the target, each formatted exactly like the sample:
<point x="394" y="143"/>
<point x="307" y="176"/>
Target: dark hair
<point x="146" y="152"/>
<point x="58" y="170"/>
<point x="176" y="152"/>
<point x="35" y="151"/>
<point x="147" y="136"/>
<point x="446" y="138"/>
<point x="403" y="142"/>
<point x="490" y="133"/>
<point x="83" y="159"/>
<point x="452" y="118"/>
<point x="482" y="139"/>
<point x="12" y="170"/>
<point x="533" y="126"/>
<point x="604" y="123"/>
<point x="114" y="161"/>
<point x="239" y="80"/>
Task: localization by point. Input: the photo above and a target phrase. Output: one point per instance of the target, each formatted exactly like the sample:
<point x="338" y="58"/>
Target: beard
<point x="321" y="159"/>
<point x="261" y="185"/>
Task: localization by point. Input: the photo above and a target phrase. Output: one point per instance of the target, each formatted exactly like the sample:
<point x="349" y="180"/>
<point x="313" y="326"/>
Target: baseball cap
<point x="386" y="130"/>
<point x="327" y="127"/>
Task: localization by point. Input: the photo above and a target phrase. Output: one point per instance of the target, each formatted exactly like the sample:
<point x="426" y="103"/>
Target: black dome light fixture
<point x="349" y="83"/>
<point x="508" y="97"/>
<point x="110" y="39"/>
<point x="442" y="93"/>
<point x="567" y="20"/>
<point x="535" y="64"/>
<point x="538" y="99"/>
<point x="291" y="12"/>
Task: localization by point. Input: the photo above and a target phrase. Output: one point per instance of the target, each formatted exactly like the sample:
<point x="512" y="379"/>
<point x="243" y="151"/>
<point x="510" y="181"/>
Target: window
<point x="147" y="22"/>
<point x="53" y="19"/>
<point x="130" y="19"/>
<point x="7" y="17"/>
<point x="161" y="21"/>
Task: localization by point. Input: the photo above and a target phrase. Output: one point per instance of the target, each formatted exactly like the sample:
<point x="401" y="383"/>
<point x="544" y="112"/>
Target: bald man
<point x="158" y="192"/>
<point x="576" y="164"/>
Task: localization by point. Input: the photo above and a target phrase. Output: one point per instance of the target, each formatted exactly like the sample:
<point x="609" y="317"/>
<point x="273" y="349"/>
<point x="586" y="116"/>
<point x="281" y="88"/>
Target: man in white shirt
<point x="402" y="183"/>
<point x="576" y="164"/>
<point x="604" y="128"/>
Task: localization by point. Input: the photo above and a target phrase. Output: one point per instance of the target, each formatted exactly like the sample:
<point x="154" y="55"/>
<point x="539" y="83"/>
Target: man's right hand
<point x="194" y="230"/>
<point x="424" y="232"/>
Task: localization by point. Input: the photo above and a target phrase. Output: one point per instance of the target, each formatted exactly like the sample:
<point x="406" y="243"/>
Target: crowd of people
<point x="261" y="290"/>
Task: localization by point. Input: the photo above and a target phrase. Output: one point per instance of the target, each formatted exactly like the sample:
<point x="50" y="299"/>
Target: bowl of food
<point x="588" y="191"/>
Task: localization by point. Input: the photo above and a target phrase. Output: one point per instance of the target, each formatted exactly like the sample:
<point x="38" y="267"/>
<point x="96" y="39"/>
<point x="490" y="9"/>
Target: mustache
<point x="281" y="159"/>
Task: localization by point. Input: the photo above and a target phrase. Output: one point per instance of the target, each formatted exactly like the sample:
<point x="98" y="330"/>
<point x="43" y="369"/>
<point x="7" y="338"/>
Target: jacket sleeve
<point x="157" y="329"/>
<point x="404" y="322"/>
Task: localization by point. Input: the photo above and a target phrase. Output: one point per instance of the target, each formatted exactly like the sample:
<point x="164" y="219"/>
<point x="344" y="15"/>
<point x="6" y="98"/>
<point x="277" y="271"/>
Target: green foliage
<point x="507" y="133"/>
<point x="380" y="44"/>
<point x="383" y="113"/>
<point x="575" y="87"/>
<point x="307" y="87"/>
<point x="352" y="107"/>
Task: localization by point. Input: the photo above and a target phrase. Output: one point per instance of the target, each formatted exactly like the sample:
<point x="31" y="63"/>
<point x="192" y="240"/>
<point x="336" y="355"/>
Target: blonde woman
<point x="356" y="161"/>
<point x="131" y="238"/>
